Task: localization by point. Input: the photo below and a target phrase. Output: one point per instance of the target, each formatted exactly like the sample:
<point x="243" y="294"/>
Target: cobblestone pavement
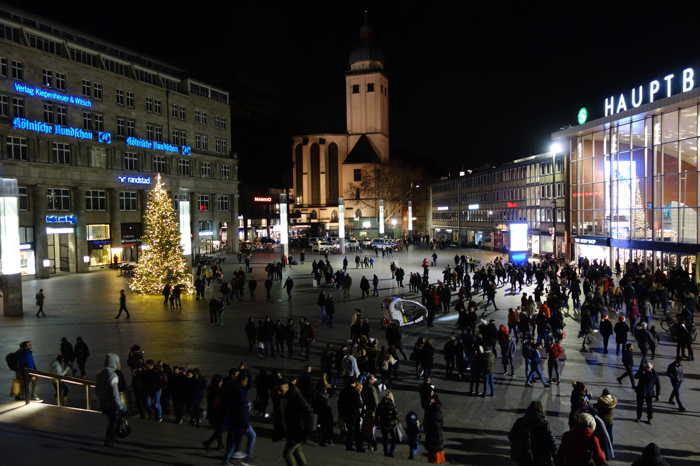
<point x="475" y="428"/>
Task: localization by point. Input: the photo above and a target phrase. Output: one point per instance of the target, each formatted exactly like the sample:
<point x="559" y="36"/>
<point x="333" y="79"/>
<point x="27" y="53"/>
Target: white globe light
<point x="555" y="148"/>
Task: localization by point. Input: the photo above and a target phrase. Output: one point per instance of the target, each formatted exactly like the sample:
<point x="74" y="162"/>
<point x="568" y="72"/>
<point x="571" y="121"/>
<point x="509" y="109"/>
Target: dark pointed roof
<point x="366" y="50"/>
<point x="362" y="152"/>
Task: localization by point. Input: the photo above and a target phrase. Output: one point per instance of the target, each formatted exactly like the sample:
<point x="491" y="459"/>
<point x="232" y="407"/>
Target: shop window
<point x="98" y="232"/>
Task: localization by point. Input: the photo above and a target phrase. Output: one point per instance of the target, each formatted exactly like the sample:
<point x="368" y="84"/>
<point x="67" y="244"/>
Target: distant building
<point x="475" y="207"/>
<point x="85" y="127"/>
<point x="328" y="166"/>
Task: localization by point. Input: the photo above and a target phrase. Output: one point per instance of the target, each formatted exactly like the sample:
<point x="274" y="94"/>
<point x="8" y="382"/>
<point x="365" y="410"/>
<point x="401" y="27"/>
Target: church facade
<point x="329" y="166"/>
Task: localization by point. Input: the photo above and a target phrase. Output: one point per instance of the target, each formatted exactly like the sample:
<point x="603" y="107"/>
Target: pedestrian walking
<point x="434" y="438"/>
<point x="648" y="390"/>
<point x="111" y="404"/>
<point x="579" y="443"/>
<point x="288" y="285"/>
<point x="413" y="430"/>
<point x="605" y="405"/>
<point x="388" y="420"/>
<point x="122" y="305"/>
<point x="531" y="440"/>
<point x="675" y="375"/>
<point x="40" y="303"/>
<point x="628" y="363"/>
<point x="82" y="352"/>
<point x="554" y="353"/>
<point x="606" y="329"/>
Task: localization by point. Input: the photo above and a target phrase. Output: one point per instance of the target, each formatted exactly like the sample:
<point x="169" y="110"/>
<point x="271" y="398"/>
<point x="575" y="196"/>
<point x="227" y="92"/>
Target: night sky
<point x="466" y="86"/>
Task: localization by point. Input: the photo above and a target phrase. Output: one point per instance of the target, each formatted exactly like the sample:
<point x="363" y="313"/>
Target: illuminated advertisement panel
<point x="518" y="236"/>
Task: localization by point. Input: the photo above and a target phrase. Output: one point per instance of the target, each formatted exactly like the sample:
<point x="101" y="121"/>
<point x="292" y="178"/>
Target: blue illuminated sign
<point x="518" y="258"/>
<point x="157" y="145"/>
<point x="51" y="95"/>
<point x="61" y="219"/>
<point x="134" y="179"/>
<point x="103" y="137"/>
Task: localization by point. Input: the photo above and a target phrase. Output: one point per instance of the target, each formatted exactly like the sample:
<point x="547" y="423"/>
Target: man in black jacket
<point x="648" y="389"/>
<point x="291" y="411"/>
<point x="621" y="331"/>
<point x="675" y="373"/>
<point x="350" y="408"/>
<point x="628" y="362"/>
<point x="606" y="329"/>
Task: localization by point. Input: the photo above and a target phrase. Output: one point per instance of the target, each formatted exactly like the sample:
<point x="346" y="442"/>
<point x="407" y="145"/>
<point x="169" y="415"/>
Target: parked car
<point x="352" y="244"/>
<point x="322" y="246"/>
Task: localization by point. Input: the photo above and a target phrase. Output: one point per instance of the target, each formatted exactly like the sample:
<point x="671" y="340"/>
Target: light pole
<point x="554" y="148"/>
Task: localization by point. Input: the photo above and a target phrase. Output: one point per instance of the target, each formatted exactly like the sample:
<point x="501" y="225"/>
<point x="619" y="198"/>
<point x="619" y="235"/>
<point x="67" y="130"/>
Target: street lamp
<point x="555" y="148"/>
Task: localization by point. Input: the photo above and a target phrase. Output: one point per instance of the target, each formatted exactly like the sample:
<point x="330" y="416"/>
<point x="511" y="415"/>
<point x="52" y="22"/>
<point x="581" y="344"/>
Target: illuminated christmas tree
<point x="161" y="262"/>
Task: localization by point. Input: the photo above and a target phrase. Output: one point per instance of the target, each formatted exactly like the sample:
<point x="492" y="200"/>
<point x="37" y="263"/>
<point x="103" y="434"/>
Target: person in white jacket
<point x="59" y="367"/>
<point x="107" y="390"/>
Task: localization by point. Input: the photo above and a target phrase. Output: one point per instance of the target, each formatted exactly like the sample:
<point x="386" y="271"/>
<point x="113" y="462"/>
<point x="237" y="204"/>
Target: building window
<point x="150" y="132"/>
<point x="178" y="112"/>
<point x="98" y="157"/>
<point x="99" y="122"/>
<point x="3" y="66"/>
<point x="120" y="97"/>
<point x="184" y="167"/>
<point x="18" y="106"/>
<point x="220" y="122"/>
<point x="97" y="91"/>
<point x="87" y="120"/>
<point x="17" y="148"/>
<point x="49" y="113"/>
<point x="221" y="145"/>
<point x="203" y="202"/>
<point x="157" y="106"/>
<point x="130" y="128"/>
<point x="370" y="87"/>
<point x="17" y="70"/>
<point x="58" y="199"/>
<point x="60" y="81"/>
<point x="153" y="105"/>
<point x="95" y="200"/>
<point x="61" y="114"/>
<point x="48" y="78"/>
<point x="87" y="88"/>
<point x="225" y="172"/>
<point x="357" y="174"/>
<point x="224" y="203"/>
<point x="355" y="88"/>
<point x="130" y="161"/>
<point x="60" y="153"/>
<point x="23" y="199"/>
<point x="130" y="99"/>
<point x="4" y="105"/>
<point x="205" y="170"/>
<point x="201" y="142"/>
<point x="179" y="137"/>
<point x="121" y="127"/>
<point x="148" y="104"/>
<point x="200" y="117"/>
<point x="127" y="200"/>
<point x="160" y="164"/>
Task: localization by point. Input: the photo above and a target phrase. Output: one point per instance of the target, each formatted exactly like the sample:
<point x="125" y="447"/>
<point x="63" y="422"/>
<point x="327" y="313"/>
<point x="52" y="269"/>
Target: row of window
<point x="57" y="80"/>
<point x="92" y="121"/>
<point x="370" y="88"/>
<point x="531" y="215"/>
<point x="17" y="148"/>
<point x="61" y="199"/>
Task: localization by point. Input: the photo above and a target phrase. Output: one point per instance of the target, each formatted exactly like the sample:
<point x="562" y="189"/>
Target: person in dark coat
<point x="621" y="331"/>
<point x="606" y="329"/>
<point x="68" y="354"/>
<point x="82" y="352"/>
<point x="291" y="409"/>
<point x="648" y="389"/>
<point x="350" y="410"/>
<point x="388" y="418"/>
<point x="427" y="357"/>
<point x="531" y="440"/>
<point x="434" y="439"/>
<point x="215" y="411"/>
<point x="628" y="362"/>
<point x="251" y="333"/>
<point x="651" y="456"/>
<point x="675" y="374"/>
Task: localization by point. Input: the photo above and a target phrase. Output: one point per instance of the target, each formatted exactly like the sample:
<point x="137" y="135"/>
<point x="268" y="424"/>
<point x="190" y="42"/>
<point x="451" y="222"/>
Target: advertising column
<point x="10" y="276"/>
<point x="284" y="234"/>
<point x="185" y="225"/>
<point x="41" y="249"/>
<point x="341" y="224"/>
<point x="381" y="216"/>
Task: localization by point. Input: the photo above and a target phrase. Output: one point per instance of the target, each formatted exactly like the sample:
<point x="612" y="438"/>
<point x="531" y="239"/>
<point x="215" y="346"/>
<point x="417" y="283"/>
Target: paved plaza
<point x="475" y="428"/>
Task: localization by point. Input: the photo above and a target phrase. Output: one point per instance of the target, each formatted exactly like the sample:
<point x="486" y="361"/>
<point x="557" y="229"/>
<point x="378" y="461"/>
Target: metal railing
<point x="57" y="380"/>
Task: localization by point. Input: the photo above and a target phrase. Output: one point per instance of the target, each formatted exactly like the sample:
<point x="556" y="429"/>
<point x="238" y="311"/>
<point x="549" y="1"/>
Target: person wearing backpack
<point x="107" y="390"/>
<point x="24" y="359"/>
<point x="413" y="430"/>
<point x="531" y="440"/>
<point x="579" y="446"/>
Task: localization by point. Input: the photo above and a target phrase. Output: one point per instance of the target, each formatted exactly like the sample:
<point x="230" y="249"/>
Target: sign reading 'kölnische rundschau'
<point x="103" y="137"/>
<point x="666" y="87"/>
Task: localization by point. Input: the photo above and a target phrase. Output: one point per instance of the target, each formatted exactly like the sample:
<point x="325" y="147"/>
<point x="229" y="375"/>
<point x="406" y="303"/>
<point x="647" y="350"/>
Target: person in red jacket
<point x="554" y="352"/>
<point x="579" y="445"/>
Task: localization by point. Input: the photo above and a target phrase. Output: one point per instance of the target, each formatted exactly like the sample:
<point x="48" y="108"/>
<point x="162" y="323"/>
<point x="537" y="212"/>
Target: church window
<point x="370" y="87"/>
<point x="357" y="174"/>
<point x="355" y="88"/>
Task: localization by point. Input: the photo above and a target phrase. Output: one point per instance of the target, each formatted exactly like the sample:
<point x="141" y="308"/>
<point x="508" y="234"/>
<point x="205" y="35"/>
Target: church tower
<point x="367" y="95"/>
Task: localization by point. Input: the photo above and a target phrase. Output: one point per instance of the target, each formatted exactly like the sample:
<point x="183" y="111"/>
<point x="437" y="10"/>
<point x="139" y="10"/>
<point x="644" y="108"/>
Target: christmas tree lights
<point x="162" y="261"/>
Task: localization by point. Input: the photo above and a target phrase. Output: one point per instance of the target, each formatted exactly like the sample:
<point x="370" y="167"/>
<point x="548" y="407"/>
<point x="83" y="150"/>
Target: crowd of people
<point x="362" y="371"/>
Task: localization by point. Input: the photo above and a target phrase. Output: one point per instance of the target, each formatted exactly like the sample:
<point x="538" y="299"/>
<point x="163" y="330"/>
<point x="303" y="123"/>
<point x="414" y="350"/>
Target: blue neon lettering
<point x="157" y="145"/>
<point x="51" y="95"/>
<point x="61" y="219"/>
<point x="77" y="133"/>
<point x="134" y="179"/>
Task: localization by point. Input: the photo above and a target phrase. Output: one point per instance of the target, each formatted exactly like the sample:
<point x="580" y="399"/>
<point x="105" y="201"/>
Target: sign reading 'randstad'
<point x="672" y="84"/>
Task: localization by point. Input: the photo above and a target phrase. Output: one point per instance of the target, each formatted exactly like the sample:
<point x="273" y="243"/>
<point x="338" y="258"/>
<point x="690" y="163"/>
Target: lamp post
<point x="554" y="148"/>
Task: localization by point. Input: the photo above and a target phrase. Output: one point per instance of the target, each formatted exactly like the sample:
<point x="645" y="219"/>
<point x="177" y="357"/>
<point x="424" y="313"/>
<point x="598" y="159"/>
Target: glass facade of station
<point x="635" y="182"/>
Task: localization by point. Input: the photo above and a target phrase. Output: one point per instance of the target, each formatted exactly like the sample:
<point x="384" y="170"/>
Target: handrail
<point x="57" y="379"/>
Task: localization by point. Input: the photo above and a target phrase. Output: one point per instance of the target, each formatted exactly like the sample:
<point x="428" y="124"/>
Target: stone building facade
<point x="85" y="127"/>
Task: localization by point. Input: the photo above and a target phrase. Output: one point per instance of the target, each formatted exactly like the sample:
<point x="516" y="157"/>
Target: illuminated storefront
<point x="99" y="244"/>
<point x="634" y="176"/>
